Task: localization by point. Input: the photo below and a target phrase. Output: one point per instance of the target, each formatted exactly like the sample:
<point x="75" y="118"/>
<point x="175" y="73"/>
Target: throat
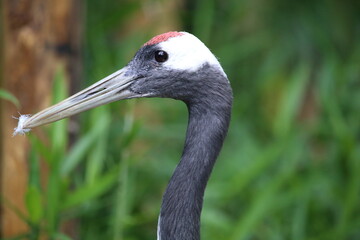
<point x="182" y="202"/>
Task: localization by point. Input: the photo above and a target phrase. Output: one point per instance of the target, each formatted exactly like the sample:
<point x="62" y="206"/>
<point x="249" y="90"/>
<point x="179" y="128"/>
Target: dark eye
<point x="161" y="56"/>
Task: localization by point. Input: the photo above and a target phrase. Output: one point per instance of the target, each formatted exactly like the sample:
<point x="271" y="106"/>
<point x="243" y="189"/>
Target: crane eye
<point x="161" y="56"/>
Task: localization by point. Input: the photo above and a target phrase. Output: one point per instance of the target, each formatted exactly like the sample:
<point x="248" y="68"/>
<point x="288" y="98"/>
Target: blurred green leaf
<point x="40" y="148"/>
<point x="293" y="96"/>
<point x="54" y="196"/>
<point x="90" y="191"/>
<point x="78" y="153"/>
<point x="61" y="236"/>
<point x="267" y="194"/>
<point x="9" y="97"/>
<point x="204" y="19"/>
<point x="34" y="204"/>
<point x="97" y="155"/>
<point x="58" y="130"/>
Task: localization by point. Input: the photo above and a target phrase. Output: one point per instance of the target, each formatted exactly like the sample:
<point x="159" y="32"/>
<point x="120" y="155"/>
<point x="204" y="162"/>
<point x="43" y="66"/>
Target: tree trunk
<point x="37" y="36"/>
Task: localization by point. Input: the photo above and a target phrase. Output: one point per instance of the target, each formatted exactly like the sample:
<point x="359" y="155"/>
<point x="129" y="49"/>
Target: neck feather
<point x="182" y="202"/>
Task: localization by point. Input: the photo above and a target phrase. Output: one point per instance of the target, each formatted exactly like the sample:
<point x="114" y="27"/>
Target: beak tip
<point x="21" y="127"/>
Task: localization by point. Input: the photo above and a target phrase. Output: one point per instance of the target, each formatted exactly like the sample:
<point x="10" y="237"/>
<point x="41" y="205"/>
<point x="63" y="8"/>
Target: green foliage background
<point x="290" y="167"/>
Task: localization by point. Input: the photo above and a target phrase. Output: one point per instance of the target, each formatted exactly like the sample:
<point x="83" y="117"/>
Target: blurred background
<point x="290" y="166"/>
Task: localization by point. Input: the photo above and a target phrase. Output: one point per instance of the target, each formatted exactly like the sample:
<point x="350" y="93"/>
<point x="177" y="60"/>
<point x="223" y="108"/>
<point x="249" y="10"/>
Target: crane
<point x="171" y="65"/>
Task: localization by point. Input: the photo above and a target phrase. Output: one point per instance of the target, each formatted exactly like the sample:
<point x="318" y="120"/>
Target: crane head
<point x="174" y="65"/>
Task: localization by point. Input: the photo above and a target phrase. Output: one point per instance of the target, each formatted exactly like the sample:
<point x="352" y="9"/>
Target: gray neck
<point x="182" y="202"/>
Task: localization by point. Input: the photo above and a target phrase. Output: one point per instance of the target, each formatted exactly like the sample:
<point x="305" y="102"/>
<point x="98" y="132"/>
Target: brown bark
<point x="38" y="35"/>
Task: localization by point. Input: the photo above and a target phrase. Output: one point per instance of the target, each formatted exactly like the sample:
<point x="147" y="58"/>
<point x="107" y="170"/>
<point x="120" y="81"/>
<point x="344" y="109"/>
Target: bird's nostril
<point x="94" y="92"/>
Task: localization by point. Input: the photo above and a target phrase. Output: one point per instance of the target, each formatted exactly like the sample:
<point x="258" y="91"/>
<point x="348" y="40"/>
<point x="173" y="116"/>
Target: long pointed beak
<point x="112" y="88"/>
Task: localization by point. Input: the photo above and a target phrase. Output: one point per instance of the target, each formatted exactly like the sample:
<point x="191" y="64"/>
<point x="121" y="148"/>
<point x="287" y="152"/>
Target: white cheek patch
<point x="187" y="52"/>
